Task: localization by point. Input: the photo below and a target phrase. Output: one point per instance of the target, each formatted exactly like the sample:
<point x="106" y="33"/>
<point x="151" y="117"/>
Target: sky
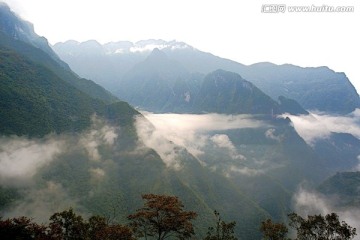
<point x="243" y="31"/>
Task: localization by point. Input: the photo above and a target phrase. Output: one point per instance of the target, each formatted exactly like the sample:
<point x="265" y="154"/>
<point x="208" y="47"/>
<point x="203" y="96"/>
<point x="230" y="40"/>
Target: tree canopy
<point x="162" y="217"/>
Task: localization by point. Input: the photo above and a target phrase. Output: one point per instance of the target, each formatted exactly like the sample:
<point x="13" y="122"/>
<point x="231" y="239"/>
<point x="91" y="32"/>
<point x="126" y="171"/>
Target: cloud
<point x="41" y="203"/>
<point x="307" y="202"/>
<point x="20" y="158"/>
<point x="168" y="132"/>
<point x="202" y="122"/>
<point x="270" y="134"/>
<point x="99" y="134"/>
<point x="22" y="161"/>
<point x="246" y="170"/>
<point x="152" y="138"/>
<point x="223" y="141"/>
<point x="319" y="125"/>
<point x="147" y="48"/>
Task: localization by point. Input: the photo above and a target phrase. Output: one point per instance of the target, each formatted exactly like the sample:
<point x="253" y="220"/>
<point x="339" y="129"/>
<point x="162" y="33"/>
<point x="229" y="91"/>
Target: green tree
<point x="222" y="230"/>
<point x="318" y="227"/>
<point x="273" y="231"/>
<point x="162" y="217"/>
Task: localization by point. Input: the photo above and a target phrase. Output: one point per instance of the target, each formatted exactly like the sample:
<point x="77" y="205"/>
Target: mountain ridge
<point x="315" y="88"/>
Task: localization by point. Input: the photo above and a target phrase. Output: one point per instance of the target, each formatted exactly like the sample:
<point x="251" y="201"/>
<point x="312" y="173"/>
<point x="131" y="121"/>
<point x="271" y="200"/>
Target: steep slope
<point x="35" y="101"/>
<point x="227" y="92"/>
<point x="19" y="36"/>
<point x="314" y="88"/>
<point x="345" y="186"/>
<point x="18" y="29"/>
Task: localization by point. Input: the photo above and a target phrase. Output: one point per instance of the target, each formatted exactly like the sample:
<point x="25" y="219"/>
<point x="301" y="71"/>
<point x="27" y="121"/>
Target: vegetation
<point x="65" y="225"/>
<point x="222" y="230"/>
<point x="35" y="101"/>
<point x="315" y="227"/>
<point x="318" y="227"/>
<point x="163" y="217"/>
<point x="273" y="231"/>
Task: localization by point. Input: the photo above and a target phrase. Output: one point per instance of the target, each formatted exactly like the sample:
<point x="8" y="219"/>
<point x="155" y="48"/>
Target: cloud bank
<point x="317" y="125"/>
<point x="20" y="158"/>
<point x="23" y="160"/>
<point x="167" y="134"/>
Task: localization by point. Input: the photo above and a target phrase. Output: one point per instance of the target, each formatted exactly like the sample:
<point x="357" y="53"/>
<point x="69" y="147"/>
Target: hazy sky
<point x="229" y="28"/>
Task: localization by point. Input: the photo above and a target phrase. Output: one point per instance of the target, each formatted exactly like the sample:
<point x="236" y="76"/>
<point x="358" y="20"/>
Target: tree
<point x="273" y="231"/>
<point x="162" y="217"/>
<point x="222" y="230"/>
<point x="100" y="230"/>
<point x="22" y="228"/>
<point x="67" y="226"/>
<point x="318" y="227"/>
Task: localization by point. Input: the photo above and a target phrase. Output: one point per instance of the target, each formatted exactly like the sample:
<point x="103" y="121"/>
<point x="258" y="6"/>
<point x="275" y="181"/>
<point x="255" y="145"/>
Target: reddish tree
<point x="161" y="217"/>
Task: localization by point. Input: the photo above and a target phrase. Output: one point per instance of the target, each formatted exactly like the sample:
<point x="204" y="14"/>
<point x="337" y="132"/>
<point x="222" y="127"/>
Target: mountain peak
<point x="157" y="55"/>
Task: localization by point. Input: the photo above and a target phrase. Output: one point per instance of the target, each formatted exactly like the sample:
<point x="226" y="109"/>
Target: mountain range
<point x="314" y="88"/>
<point x="68" y="142"/>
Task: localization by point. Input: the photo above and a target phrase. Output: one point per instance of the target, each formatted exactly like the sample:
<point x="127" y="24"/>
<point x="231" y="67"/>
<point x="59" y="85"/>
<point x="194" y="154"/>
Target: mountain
<point x="18" y="35"/>
<point x="227" y="93"/>
<point x="18" y="29"/>
<point x="345" y="186"/>
<point x="317" y="88"/>
<point x="103" y="155"/>
<point x="151" y="83"/>
<point x="39" y="93"/>
<point x="159" y="84"/>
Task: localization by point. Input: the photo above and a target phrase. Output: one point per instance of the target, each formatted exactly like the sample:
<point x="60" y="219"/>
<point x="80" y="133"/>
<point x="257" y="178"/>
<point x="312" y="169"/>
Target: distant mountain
<point x="317" y="88"/>
<point x="226" y="92"/>
<point x="154" y="83"/>
<point x="345" y="186"/>
<point x="159" y="84"/>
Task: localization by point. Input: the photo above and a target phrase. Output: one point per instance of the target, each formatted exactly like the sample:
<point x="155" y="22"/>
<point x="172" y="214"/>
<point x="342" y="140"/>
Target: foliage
<point x="22" y="228"/>
<point x="162" y="216"/>
<point x="65" y="225"/>
<point x="318" y="227"/>
<point x="35" y="101"/>
<point x="273" y="231"/>
<point x="222" y="230"/>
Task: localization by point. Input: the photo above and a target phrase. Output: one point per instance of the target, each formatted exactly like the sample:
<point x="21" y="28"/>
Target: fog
<point x="192" y="131"/>
<point x="318" y="125"/>
<point x="22" y="159"/>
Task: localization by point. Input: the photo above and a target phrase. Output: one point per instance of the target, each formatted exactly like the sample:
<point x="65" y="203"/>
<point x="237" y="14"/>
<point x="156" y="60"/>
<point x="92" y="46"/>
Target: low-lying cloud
<point x="20" y="158"/>
<point x="168" y="132"/>
<point x="317" y="125"/>
<point x="41" y="203"/>
<point x="223" y="141"/>
<point x="23" y="160"/>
